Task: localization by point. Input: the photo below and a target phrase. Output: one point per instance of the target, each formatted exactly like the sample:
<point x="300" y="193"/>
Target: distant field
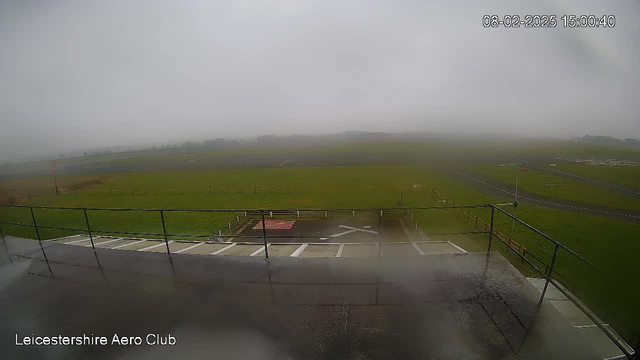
<point x="15" y="190"/>
<point x="431" y="150"/>
<point x="606" y="242"/>
<point x="535" y="182"/>
<point x="623" y="175"/>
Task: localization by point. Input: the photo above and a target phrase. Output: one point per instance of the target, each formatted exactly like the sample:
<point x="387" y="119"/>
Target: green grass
<point x="606" y="242"/>
<point x="413" y="150"/>
<point x="623" y="175"/>
<point x="534" y="182"/>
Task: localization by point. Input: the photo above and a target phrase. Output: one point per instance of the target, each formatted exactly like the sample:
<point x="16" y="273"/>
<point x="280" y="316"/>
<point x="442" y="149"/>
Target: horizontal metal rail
<point x="257" y="211"/>
<point x="555" y="242"/>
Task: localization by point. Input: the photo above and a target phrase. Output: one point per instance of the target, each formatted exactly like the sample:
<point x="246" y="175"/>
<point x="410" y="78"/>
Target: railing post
<point x="164" y="231"/>
<point x="35" y="225"/>
<point x="5" y="244"/>
<point x="549" y="272"/>
<point x="264" y="235"/>
<point x="493" y="210"/>
<point x="86" y="219"/>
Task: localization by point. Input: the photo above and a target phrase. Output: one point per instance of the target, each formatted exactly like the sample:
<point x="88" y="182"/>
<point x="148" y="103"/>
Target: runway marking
<point x="340" y="249"/>
<point x="356" y="229"/>
<point x="63" y="238"/>
<point x="189" y="248"/>
<point x="343" y="233"/>
<point x="299" y="250"/>
<point x="415" y="246"/>
<point x="351" y="230"/>
<point x="457" y="247"/>
<point x="224" y="249"/>
<point x="155" y="246"/>
<point x="587" y="326"/>
<point x="129" y="244"/>
<point x="105" y="242"/>
<point x="77" y="241"/>
<point x="259" y="250"/>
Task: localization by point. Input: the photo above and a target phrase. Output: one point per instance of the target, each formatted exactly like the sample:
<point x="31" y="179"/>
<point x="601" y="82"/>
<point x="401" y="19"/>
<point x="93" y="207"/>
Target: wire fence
<point x="234" y="189"/>
<point x="547" y="271"/>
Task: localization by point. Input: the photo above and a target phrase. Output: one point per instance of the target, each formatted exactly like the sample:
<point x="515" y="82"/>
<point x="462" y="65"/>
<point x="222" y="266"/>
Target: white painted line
<point x="299" y="250"/>
<point x="63" y="238"/>
<point x="356" y="229"/>
<point x="259" y="250"/>
<point x="343" y="233"/>
<point x="104" y="242"/>
<point x="617" y="357"/>
<point x="224" y="249"/>
<point x="457" y="247"/>
<point x="340" y="249"/>
<point x="415" y="246"/>
<point x="587" y="326"/>
<point x="76" y="241"/>
<point x="154" y="246"/>
<point x="129" y="244"/>
<point x="189" y="248"/>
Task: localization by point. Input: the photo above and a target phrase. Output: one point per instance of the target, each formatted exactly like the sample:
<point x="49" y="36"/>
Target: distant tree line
<point x="608" y="140"/>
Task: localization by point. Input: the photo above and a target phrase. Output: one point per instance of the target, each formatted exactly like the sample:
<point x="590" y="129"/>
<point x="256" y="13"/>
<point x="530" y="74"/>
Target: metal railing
<point x="547" y="274"/>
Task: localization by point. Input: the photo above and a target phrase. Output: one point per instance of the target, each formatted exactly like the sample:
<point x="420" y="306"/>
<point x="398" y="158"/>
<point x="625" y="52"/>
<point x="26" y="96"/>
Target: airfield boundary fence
<point x="550" y="276"/>
<point x="534" y="261"/>
<point x="219" y="189"/>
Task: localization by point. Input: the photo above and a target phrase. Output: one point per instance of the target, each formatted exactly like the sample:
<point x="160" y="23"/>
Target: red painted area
<point x="524" y="169"/>
<point x="275" y="224"/>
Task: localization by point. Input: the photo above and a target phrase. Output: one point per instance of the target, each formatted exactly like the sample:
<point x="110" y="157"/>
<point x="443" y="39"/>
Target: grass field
<point x="613" y="290"/>
<point x="622" y="175"/>
<point x="534" y="182"/>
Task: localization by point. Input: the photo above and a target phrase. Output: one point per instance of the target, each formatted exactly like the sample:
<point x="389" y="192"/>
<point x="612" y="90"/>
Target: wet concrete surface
<point x="436" y="307"/>
<point x="332" y="230"/>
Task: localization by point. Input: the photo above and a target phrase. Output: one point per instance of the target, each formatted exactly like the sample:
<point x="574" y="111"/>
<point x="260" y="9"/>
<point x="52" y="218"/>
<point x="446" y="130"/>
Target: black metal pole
<point x="35" y="225"/>
<point x="5" y="244"/>
<point x="264" y="235"/>
<point x="549" y="272"/>
<point x="164" y="231"/>
<point x="86" y="219"/>
<point x="491" y="228"/>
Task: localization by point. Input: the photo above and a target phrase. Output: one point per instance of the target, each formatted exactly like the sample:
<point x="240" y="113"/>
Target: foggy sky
<point x="84" y="74"/>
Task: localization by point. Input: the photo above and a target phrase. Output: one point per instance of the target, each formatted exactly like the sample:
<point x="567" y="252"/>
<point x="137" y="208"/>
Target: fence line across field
<point x="548" y="273"/>
<point x="240" y="189"/>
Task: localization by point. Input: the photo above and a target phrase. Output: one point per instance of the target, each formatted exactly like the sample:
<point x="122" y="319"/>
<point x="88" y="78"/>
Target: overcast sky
<point x="85" y="74"/>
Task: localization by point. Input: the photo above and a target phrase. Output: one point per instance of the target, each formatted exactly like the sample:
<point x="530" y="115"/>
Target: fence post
<point x="164" y="230"/>
<point x="549" y="272"/>
<point x="35" y="225"/>
<point x="264" y="235"/>
<point x="86" y="219"/>
<point x="493" y="209"/>
<point x="5" y="244"/>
